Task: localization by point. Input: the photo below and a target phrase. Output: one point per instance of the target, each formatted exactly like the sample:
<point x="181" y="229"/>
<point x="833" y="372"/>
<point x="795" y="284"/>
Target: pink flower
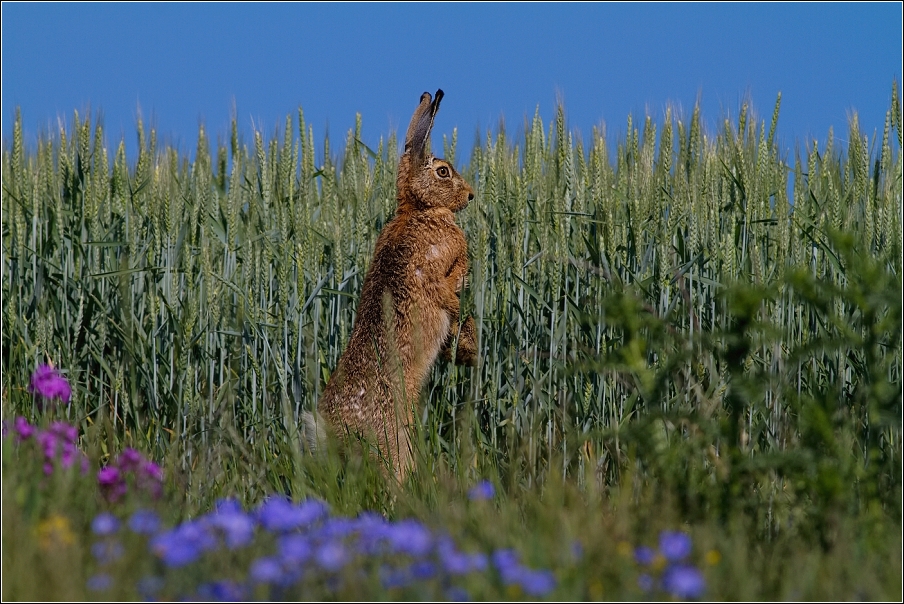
<point x="48" y="383"/>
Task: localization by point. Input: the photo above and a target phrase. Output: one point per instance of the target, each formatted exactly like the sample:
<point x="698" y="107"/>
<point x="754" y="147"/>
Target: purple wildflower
<point x="65" y="432"/>
<point x="129" y="460"/>
<point x="147" y="475"/>
<point x="151" y="470"/>
<point x="645" y="582"/>
<point x="48" y="383"/>
<point x="23" y="429"/>
<point x="684" y="581"/>
<point x="112" y="484"/>
<point x="481" y="491"/>
<point x="674" y="545"/>
<point x="58" y="443"/>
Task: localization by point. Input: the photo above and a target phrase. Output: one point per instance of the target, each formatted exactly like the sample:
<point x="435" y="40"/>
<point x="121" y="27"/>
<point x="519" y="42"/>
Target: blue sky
<point x="184" y="64"/>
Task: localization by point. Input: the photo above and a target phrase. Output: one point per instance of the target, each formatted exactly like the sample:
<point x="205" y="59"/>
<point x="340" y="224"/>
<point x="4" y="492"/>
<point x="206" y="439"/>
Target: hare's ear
<point x="418" y="138"/>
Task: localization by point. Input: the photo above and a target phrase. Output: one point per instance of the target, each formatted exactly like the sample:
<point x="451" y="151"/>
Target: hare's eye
<point x="443" y="172"/>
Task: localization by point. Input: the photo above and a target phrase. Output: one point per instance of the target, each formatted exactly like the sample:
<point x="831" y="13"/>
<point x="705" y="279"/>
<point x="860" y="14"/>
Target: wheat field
<point x="709" y="312"/>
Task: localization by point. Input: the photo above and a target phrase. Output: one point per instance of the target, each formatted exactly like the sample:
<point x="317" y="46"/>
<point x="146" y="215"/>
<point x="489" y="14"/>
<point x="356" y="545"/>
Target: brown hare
<point x="409" y="308"/>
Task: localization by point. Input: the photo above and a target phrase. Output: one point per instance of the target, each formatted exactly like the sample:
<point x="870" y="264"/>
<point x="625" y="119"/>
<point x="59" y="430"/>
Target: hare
<point x="409" y="308"/>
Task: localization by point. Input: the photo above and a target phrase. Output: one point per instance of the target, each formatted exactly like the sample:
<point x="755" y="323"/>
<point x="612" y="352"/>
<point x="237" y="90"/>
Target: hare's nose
<point x="470" y="196"/>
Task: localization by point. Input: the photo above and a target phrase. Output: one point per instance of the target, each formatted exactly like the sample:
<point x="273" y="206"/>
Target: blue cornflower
<point x="106" y="551"/>
<point x="459" y="563"/>
<point x="410" y="537"/>
<point x="222" y="591"/>
<point x="508" y="564"/>
<point x="228" y="505"/>
<point x="504" y="557"/>
<point x="100" y="582"/>
<point x="372" y="531"/>
<point x="237" y="527"/>
<point x="265" y="570"/>
<point x="423" y="570"/>
<point x="481" y="491"/>
<point x="104" y="523"/>
<point x="644" y="555"/>
<point x="145" y="522"/>
<point x="537" y="582"/>
<point x="392" y="578"/>
<point x="368" y="519"/>
<point x="184" y="544"/>
<point x="457" y="594"/>
<point x="331" y="556"/>
<point x="645" y="582"/>
<point x="279" y="514"/>
<point x="674" y="545"/>
<point x="683" y="581"/>
<point x="577" y="549"/>
<point x="337" y="527"/>
<point x="148" y="587"/>
<point x="174" y="550"/>
<point x="295" y="549"/>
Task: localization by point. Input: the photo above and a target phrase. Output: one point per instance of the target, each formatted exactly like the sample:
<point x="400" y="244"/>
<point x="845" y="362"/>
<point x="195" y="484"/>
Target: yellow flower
<point x="596" y="590"/>
<point x="624" y="548"/>
<point x="659" y="562"/>
<point x="713" y="557"/>
<point x="54" y="531"/>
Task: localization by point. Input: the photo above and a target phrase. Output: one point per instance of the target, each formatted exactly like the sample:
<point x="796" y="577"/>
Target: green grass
<point x="698" y="331"/>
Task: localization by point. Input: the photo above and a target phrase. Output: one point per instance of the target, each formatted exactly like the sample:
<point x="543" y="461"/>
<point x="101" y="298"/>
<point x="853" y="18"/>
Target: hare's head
<point x="426" y="181"/>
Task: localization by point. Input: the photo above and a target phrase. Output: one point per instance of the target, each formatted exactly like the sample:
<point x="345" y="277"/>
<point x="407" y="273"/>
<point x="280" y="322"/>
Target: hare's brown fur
<point x="409" y="307"/>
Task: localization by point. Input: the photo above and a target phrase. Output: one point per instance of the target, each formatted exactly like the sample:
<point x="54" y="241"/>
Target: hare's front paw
<point x="467" y="344"/>
<point x="466" y="352"/>
<point x="457" y="276"/>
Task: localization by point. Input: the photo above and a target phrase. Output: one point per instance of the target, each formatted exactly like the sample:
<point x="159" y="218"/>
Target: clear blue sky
<point x="189" y="63"/>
